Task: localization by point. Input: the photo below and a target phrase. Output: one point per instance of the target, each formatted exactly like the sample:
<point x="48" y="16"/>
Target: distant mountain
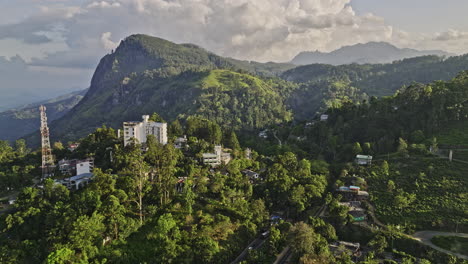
<point x="16" y="123"/>
<point x="372" y="52"/>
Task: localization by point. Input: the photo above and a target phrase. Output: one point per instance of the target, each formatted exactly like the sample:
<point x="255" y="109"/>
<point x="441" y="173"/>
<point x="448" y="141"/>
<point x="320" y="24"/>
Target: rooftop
<point x="363" y="157"/>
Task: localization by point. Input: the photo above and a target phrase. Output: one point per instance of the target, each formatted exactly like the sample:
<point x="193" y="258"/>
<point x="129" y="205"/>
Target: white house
<point x="251" y="174"/>
<point x="363" y="160"/>
<point x="216" y="158"/>
<point x="180" y="142"/>
<point x="323" y="117"/>
<point x="140" y="130"/>
<point x="76" y="182"/>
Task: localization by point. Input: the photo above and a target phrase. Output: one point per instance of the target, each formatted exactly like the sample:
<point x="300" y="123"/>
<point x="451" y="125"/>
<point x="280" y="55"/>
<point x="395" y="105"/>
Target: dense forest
<point x="134" y="211"/>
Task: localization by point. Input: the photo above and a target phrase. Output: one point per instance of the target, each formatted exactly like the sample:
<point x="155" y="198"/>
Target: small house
<point x="363" y="160"/>
<point x="180" y="142"/>
<point x="323" y="117"/>
<point x="263" y="134"/>
<point x="251" y="174"/>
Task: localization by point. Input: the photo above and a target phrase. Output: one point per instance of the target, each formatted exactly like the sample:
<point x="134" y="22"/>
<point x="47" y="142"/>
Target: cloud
<point x="247" y="29"/>
<point x="103" y="4"/>
<point x="451" y="34"/>
<point x="107" y="42"/>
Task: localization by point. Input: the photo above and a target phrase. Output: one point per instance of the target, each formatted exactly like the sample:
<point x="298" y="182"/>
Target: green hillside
<point x="234" y="100"/>
<point x="383" y="79"/>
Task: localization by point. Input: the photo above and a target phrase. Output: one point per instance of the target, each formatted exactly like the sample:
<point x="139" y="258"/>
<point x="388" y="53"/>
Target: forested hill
<point x="383" y="79"/>
<point x="415" y="113"/>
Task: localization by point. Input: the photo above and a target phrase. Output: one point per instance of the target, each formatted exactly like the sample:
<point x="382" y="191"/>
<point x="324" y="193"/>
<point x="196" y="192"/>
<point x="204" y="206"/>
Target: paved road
<point x="425" y="238"/>
<point x="283" y="256"/>
<point x="256" y="244"/>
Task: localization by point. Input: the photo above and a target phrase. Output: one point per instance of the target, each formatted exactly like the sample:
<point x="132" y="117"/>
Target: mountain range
<point x="147" y="74"/>
<point x="371" y="52"/>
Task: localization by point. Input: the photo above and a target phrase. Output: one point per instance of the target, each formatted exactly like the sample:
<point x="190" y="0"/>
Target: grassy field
<point x="433" y="191"/>
<point x="452" y="243"/>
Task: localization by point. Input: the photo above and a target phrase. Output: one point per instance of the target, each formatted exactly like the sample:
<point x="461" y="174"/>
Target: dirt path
<point x="426" y="236"/>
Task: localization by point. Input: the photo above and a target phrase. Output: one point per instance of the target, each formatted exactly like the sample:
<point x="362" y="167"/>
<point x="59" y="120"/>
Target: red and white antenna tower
<point x="47" y="159"/>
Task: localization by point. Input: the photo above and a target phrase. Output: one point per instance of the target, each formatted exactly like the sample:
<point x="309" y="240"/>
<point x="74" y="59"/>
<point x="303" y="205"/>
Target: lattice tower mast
<point x="47" y="159"/>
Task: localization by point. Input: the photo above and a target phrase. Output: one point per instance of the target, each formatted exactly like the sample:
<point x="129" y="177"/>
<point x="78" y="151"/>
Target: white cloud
<point x="103" y="4"/>
<point x="247" y="29"/>
<point x="107" y="42"/>
<point x="451" y="34"/>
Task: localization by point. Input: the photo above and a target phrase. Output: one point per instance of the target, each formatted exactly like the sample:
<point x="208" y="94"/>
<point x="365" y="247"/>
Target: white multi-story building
<point x="140" y="130"/>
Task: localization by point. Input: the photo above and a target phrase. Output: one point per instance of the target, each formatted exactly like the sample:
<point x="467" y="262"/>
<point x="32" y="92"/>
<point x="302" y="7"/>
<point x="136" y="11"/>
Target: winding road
<point x="426" y="236"/>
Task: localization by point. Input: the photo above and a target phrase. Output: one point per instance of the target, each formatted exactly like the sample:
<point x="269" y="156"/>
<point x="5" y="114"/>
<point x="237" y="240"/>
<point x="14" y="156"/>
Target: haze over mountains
<point x="372" y="52"/>
<point x="16" y="123"/>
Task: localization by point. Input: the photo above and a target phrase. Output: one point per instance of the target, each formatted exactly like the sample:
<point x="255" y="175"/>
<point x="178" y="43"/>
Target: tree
<point x="323" y="228"/>
<point x="306" y="244"/>
<point x="157" y="118"/>
<point x="385" y="168"/>
<point x="390" y="186"/>
<point x="302" y="239"/>
<point x="356" y="149"/>
<point x="61" y="256"/>
<point x="233" y="143"/>
<point x="162" y="161"/>
<point x="5" y="150"/>
<point x="165" y="237"/>
<point x="86" y="235"/>
<point x="136" y="171"/>
<point x="278" y="183"/>
<point x="189" y="195"/>
<point x="367" y="148"/>
<point x="175" y="129"/>
<point x="402" y="146"/>
<point x="20" y="147"/>
<point x="378" y="243"/>
<point x="274" y="240"/>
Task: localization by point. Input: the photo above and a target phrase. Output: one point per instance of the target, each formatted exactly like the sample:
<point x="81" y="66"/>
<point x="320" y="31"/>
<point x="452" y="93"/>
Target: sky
<point x="51" y="47"/>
